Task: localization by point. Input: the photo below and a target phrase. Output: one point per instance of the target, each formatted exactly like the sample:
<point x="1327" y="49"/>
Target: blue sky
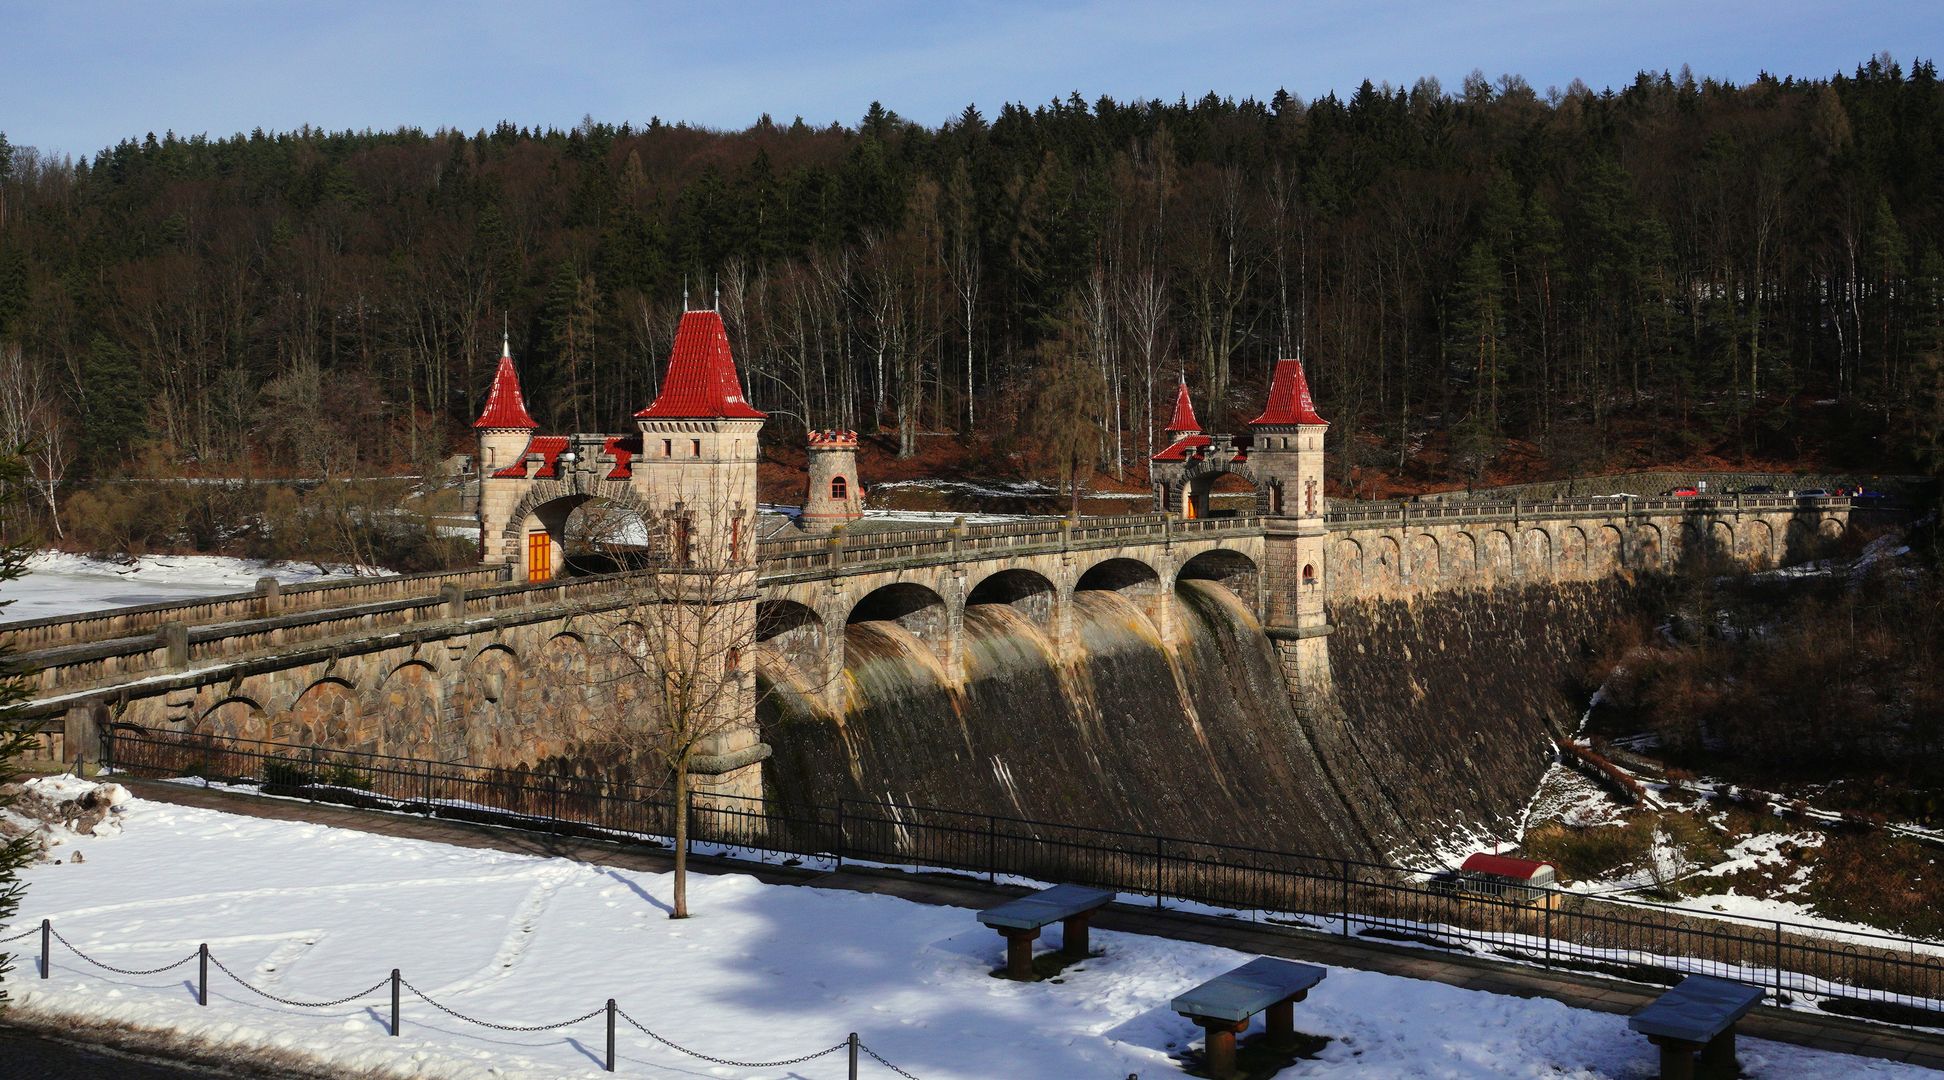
<point x="77" y="75"/>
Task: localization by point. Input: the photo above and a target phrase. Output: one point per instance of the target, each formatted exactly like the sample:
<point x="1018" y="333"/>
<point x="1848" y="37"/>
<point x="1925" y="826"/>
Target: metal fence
<point x="1875" y="976"/>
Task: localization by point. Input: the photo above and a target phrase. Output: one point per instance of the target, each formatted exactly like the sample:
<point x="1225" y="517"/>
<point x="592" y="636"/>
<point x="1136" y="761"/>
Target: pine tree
<point x="1063" y="420"/>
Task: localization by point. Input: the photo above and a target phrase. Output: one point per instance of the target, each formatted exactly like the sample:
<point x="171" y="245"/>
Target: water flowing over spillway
<point x="1446" y="707"/>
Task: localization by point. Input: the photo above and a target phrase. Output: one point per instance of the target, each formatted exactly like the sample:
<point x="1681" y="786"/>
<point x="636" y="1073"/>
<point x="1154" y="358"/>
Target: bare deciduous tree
<point x="670" y="643"/>
<point x="34" y="423"/>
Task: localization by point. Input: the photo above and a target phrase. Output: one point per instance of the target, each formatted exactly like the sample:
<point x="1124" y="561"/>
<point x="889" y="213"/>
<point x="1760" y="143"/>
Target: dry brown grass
<point x="1882" y="879"/>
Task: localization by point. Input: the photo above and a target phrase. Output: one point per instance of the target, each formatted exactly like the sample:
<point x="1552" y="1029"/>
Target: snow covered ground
<point x="761" y="972"/>
<point x="58" y="583"/>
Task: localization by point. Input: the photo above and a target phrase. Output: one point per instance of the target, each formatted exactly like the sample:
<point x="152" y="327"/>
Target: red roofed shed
<point x="1510" y="878"/>
<point x="701" y="382"/>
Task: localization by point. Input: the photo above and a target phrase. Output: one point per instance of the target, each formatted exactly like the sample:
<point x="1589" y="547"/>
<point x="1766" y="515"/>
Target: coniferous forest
<point x="1676" y="269"/>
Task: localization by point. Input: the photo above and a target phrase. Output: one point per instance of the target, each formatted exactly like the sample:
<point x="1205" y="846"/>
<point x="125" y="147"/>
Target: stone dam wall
<point x="1439" y="728"/>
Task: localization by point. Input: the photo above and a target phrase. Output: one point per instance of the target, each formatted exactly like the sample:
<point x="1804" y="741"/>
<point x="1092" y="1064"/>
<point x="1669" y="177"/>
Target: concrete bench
<point x="1697" y="1015"/>
<point x="1020" y="922"/>
<point x="1223" y="1005"/>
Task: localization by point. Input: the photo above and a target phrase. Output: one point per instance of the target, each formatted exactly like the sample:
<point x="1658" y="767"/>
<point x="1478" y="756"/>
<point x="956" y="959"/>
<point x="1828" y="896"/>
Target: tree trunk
<point x="680" y="908"/>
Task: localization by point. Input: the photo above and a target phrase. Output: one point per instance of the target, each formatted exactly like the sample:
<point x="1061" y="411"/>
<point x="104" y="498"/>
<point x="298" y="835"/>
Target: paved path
<point x="30" y="1055"/>
<point x="1815" y="1030"/>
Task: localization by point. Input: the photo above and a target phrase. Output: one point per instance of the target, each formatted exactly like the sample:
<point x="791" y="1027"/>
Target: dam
<point x="1351" y="679"/>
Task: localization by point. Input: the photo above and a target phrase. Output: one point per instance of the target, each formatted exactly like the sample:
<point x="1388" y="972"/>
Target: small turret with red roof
<point x="505" y="406"/>
<point x="1286" y="445"/>
<point x="505" y="427"/>
<point x="1183" y="422"/>
<point x="1183" y="430"/>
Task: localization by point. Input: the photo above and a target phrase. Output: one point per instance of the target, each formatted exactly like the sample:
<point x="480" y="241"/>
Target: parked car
<point x="1759" y="489"/>
<point x="1682" y="492"/>
<point x="1812" y="493"/>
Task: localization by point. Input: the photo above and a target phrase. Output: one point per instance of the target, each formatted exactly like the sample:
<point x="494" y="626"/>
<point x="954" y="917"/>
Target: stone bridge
<point x="470" y="666"/>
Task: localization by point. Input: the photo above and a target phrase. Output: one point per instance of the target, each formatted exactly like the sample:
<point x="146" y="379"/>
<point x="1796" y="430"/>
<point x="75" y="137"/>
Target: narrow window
<point x="489" y="457"/>
<point x="668" y="447"/>
<point x="696" y="444"/>
<point x="839" y="490"/>
<point x="681" y="553"/>
<point x="1309" y="575"/>
<point x="735" y="540"/>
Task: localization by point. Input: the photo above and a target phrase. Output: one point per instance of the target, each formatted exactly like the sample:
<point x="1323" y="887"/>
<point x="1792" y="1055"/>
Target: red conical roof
<point x="1184" y="412"/>
<point x="1289" y="398"/>
<point x="505" y="408"/>
<point x="701" y="382"/>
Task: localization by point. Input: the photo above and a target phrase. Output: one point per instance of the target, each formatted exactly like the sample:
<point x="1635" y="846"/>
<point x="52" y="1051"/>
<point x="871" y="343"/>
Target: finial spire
<point x="506" y="337"/>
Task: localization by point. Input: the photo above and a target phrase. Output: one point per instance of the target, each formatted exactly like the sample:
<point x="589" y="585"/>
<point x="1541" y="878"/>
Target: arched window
<point x="839" y="488"/>
<point x="1309" y="575"/>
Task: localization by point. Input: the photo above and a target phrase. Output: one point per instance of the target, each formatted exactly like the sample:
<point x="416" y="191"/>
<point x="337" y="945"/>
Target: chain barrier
<point x="457" y="1015"/>
<point x="879" y="1058"/>
<point x="346" y="1000"/>
<point x="120" y="970"/>
<point x="636" y="1024"/>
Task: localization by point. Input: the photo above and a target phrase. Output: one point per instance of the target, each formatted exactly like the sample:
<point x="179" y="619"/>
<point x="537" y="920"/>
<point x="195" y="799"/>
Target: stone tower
<point x="835" y="496"/>
<point x="695" y="476"/>
<point x="504" y="429"/>
<point x="1286" y="454"/>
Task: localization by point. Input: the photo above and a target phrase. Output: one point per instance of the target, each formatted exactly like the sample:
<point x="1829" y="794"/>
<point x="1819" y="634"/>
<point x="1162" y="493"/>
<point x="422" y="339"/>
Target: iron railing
<point x="1874" y="976"/>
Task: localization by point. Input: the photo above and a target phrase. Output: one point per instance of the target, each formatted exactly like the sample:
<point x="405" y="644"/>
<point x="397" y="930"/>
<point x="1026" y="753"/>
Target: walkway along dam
<point x="1356" y="679"/>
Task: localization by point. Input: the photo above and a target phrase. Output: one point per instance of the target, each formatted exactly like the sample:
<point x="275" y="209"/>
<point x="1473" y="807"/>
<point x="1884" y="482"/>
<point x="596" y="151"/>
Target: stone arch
<point x="1029" y="591"/>
<point x="1346" y="568"/>
<point x="476" y="729"/>
<point x="408" y="704"/>
<point x="558" y="689"/>
<point x="1574" y="550"/>
<point x="1141" y="585"/>
<point x="1461" y="558"/>
<point x="794" y="630"/>
<point x="1384" y="566"/>
<point x="1829" y="529"/>
<point x="915" y="607"/>
<point x="1199" y="484"/>
<point x="547" y="506"/>
<point x="1426" y="561"/>
<point x="234" y="717"/>
<point x="1496" y="557"/>
<point x="1234" y="570"/>
<point x="1607" y="547"/>
<point x="1648" y="548"/>
<point x="1722" y="540"/>
<point x="1536" y="554"/>
<point x="328" y="714"/>
<point x="1758" y="545"/>
<point x="1119" y="574"/>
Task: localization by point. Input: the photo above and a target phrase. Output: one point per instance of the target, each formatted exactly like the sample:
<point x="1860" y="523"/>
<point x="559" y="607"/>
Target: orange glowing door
<point x="539" y="557"/>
